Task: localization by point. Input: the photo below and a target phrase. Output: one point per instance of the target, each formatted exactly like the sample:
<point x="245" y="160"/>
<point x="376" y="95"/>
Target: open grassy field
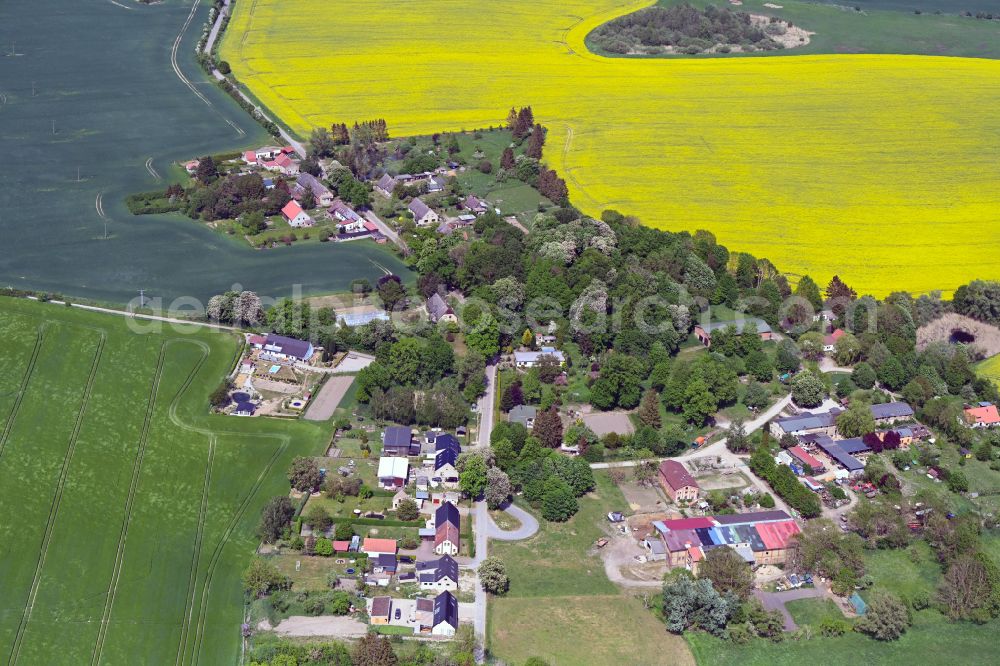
<point x="561" y="605"/>
<point x="813" y="161"/>
<point x="102" y="75"/>
<point x="129" y="511"/>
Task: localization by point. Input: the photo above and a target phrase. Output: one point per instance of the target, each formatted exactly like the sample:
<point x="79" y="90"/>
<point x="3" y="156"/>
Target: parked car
<point x="398" y="613"/>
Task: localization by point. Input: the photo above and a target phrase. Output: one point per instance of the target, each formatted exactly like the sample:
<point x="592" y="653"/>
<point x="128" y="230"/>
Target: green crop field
<point x="102" y="75"/>
<point x="128" y="510"/>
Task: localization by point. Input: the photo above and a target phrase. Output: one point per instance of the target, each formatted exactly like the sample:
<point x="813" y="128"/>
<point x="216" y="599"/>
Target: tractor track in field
<point x="54" y="507"/>
<point x="196" y="555"/>
<point x="199" y="628"/>
<point x="24" y="387"/>
<point x="129" y="503"/>
<point x="217" y="553"/>
<point x="152" y="171"/>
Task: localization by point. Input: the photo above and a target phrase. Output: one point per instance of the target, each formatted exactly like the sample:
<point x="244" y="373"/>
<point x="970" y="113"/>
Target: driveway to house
<point x="716" y="449"/>
<point x="776" y="601"/>
<point x="827" y="364"/>
<point x="387" y="231"/>
<point x="325" y="404"/>
<point x="528" y="528"/>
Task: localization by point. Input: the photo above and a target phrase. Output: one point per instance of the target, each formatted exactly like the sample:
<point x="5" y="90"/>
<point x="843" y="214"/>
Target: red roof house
<point x="250" y="157"/>
<point x="982" y="416"/>
<point x="777" y="536"/>
<point x="689" y="523"/>
<point x="803" y="457"/>
<point x="678" y="482"/>
<point x="376" y="546"/>
<point x="830" y="341"/>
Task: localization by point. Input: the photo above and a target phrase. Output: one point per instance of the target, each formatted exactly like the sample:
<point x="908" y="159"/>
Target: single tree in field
<point x="737" y="439"/>
<point x="260" y="577"/>
<point x="649" y="409"/>
<point x="206" y="171"/>
<point x="886" y="619"/>
<point x="390" y="291"/>
<point x="507" y="158"/>
<point x="511" y="118"/>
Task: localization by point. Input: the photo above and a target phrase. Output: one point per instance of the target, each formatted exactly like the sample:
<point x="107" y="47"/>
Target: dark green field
<point x="881" y="27"/>
<point x="103" y="74"/>
<point x="128" y="510"/>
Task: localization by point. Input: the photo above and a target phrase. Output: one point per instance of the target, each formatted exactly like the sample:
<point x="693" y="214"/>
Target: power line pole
<point x="142" y="298"/>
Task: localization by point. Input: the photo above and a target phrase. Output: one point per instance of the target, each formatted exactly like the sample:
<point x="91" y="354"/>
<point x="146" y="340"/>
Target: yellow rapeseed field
<point x="884" y="169"/>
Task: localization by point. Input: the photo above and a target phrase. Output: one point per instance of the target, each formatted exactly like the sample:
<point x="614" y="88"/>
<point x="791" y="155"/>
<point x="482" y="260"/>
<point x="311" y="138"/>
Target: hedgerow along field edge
<point x="879" y="168"/>
<point x="130" y="510"/>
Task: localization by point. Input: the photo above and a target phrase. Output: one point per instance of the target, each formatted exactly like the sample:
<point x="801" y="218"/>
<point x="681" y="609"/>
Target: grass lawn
<point x="931" y="640"/>
<point x="555" y="575"/>
<point x="106" y="433"/>
<point x="813" y="611"/>
<point x="312" y="571"/>
<point x="596" y="630"/>
<point x="555" y="562"/>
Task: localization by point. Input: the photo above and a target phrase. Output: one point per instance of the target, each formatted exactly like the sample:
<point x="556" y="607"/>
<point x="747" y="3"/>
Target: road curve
<point x="528" y="528"/>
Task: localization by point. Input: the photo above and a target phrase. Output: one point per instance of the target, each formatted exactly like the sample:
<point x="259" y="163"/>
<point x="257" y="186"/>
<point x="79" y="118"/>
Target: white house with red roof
<point x="983" y="415"/>
<point x="830" y="341"/>
<point x="295" y="216"/>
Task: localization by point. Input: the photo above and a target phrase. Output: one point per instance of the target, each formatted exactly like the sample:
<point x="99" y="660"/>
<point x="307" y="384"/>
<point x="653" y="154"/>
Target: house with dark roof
<point x="523" y="414"/>
<point x="678" y="483"/>
<point x="438" y="310"/>
<point x="423" y="215"/>
<point x="447" y="529"/>
<point x="807" y="423"/>
<point x="844" y="459"/>
<point x="380" y="611"/>
<point x="891" y="412"/>
<point x="474" y="205"/>
<point x="307" y="181"/>
<point x="398" y="441"/>
<point x="280" y="348"/>
<point x="445" y="614"/>
<point x="439" y="574"/>
<point x="385" y="185"/>
<point x="704" y="331"/>
<point x="385" y="563"/>
<point x="445" y="473"/>
<point x="436" y="184"/>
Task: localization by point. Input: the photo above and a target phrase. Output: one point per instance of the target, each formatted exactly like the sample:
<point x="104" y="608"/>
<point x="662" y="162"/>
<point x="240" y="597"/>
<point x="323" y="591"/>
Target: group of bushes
<point x="784" y="482"/>
<point x="685" y="29"/>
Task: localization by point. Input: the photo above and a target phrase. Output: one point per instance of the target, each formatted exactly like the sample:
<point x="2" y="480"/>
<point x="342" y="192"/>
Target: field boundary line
<point x="196" y="555"/>
<point x="129" y="503"/>
<point x="56" y="503"/>
<point x="39" y="337"/>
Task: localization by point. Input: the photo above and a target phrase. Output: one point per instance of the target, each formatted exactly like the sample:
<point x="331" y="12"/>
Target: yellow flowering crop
<point x="884" y="169"/>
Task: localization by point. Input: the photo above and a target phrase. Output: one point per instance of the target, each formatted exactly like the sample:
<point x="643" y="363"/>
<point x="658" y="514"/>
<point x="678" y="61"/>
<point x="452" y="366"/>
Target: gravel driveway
<point x="325" y="404"/>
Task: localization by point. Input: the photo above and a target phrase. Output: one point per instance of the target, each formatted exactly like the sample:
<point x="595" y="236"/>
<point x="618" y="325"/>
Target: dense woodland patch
<point x="686" y="29"/>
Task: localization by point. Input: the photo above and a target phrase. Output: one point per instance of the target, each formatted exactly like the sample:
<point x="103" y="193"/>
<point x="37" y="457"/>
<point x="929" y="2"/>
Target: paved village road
<point x="528" y="528"/>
